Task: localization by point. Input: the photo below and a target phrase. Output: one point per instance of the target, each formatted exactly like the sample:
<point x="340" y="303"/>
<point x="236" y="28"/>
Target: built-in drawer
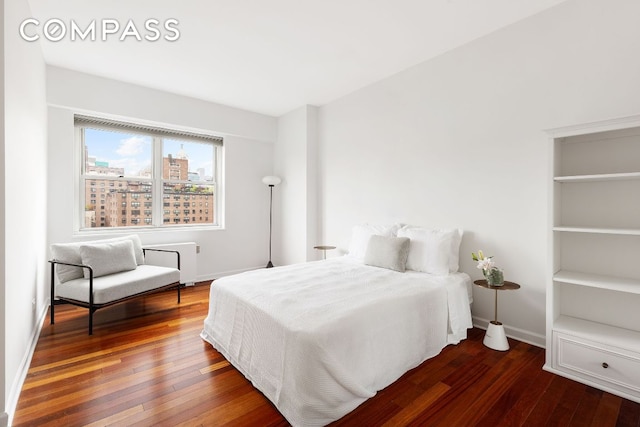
<point x="601" y="363"/>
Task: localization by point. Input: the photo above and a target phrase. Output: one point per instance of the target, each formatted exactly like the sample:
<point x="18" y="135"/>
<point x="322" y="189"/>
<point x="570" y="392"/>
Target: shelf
<point x="597" y="230"/>
<point x="621" y="284"/>
<point x="599" y="177"/>
<point x="598" y="332"/>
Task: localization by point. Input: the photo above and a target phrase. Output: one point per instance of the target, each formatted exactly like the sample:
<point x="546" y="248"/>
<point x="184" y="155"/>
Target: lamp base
<point x="495" y="337"/>
<point x="269" y="265"/>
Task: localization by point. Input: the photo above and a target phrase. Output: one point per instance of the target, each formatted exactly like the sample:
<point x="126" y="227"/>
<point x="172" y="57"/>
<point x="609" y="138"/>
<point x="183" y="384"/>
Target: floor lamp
<point x="271" y="181"/>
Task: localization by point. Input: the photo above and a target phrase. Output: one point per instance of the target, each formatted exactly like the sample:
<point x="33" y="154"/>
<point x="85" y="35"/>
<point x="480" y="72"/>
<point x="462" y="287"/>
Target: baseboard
<point x="516" y="333"/>
<point x="23" y="369"/>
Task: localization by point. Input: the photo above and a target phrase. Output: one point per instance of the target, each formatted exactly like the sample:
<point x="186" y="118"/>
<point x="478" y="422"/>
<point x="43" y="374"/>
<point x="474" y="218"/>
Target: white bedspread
<point x="320" y="338"/>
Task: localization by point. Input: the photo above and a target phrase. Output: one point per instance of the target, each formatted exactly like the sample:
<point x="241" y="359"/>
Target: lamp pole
<point x="271" y="181"/>
<point x="270" y="264"/>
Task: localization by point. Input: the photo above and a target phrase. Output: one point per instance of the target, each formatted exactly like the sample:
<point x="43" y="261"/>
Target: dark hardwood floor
<point x="146" y="365"/>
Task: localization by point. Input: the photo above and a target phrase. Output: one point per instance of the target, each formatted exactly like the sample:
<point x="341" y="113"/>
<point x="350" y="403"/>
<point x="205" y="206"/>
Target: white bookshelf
<point x="620" y="284"/>
<point x="598" y="230"/>
<point x="598" y="177"/>
<point x="593" y="295"/>
<point x="593" y="331"/>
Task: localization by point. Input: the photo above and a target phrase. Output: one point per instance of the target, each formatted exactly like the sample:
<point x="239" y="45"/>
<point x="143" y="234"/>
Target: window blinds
<point x="114" y="125"/>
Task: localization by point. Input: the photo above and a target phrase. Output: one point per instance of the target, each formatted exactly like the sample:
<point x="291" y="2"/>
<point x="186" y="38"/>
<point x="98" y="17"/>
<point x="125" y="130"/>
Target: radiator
<point x="188" y="264"/>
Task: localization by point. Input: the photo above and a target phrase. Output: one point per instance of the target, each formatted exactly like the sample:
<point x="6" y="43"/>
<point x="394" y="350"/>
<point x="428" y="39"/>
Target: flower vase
<point x="495" y="277"/>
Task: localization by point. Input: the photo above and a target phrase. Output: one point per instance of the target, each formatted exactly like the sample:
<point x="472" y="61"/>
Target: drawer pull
<point x="605" y="365"/>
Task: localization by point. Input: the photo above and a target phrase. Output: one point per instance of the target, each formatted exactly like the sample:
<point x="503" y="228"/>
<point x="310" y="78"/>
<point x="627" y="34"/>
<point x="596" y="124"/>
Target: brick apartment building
<point x="115" y="202"/>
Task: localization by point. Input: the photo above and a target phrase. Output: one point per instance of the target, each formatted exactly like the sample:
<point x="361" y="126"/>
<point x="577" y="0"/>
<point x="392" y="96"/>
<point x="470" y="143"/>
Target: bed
<point x="320" y="338"/>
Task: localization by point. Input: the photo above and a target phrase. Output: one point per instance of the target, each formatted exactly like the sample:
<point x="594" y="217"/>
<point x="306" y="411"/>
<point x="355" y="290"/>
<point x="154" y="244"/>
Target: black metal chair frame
<point x="91" y="305"/>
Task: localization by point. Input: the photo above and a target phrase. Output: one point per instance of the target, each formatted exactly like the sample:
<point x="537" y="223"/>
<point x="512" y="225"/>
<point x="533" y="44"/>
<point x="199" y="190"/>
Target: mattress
<point x="320" y="338"/>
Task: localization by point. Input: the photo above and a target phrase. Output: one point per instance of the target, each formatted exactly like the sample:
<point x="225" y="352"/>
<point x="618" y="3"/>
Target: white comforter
<point x="320" y="338"/>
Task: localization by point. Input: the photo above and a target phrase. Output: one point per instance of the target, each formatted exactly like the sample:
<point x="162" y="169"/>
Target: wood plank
<point x="563" y="413"/>
<point x="517" y="403"/>
<point x="629" y="415"/>
<point x="608" y="410"/>
<point x="458" y="395"/>
<point x="147" y="365"/>
<point x="587" y="407"/>
<point x="547" y="403"/>
<point x="491" y="390"/>
<point x="214" y="367"/>
<point x="418" y="405"/>
<point x="116" y="418"/>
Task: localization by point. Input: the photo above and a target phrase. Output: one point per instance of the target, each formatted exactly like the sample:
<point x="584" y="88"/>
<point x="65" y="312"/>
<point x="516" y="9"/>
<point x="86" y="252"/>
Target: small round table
<point x="324" y="250"/>
<point x="495" y="337"/>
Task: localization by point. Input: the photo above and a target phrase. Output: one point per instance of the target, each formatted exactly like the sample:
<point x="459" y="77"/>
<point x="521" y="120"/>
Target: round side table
<point x="495" y="337"/>
<point x="324" y="250"/>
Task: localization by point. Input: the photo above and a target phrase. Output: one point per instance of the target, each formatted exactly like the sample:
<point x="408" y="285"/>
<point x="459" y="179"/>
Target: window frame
<point x="157" y="134"/>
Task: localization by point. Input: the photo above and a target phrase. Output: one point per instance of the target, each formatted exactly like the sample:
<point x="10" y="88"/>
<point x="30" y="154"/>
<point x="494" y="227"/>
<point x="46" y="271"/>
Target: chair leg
<point x="51" y="318"/>
<point x="91" y="307"/>
<point x="178" y="293"/>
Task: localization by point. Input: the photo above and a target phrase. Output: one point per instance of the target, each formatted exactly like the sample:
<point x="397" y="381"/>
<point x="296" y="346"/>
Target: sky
<point x="133" y="152"/>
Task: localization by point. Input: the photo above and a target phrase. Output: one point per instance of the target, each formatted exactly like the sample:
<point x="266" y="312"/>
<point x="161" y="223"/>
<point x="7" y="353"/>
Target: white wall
<point x="3" y="406"/>
<point x="459" y="141"/>
<point x="248" y="152"/>
<point x="295" y="200"/>
<point x="25" y="199"/>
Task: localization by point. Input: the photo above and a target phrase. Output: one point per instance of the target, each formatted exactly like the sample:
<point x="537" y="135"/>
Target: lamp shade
<point x="271" y="180"/>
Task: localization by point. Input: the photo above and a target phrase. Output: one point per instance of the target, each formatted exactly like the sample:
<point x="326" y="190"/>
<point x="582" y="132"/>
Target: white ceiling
<point x="272" y="56"/>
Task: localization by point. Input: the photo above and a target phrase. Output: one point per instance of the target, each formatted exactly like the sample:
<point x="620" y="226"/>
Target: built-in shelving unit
<point x="620" y="284"/>
<point x="593" y="297"/>
<point x="623" y="231"/>
<point x="598" y="177"/>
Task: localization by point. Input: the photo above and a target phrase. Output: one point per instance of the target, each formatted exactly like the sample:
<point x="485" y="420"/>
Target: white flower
<point x="486" y="264"/>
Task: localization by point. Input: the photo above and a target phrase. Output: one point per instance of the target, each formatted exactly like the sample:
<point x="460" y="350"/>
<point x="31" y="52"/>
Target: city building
<point x="111" y="201"/>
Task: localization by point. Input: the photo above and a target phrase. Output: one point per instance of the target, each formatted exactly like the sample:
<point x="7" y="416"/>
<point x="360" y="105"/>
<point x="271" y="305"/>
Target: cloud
<point x="132" y="146"/>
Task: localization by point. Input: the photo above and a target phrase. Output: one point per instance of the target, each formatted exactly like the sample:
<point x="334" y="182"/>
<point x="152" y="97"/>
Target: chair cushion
<point x="70" y="252"/>
<point x="67" y="252"/>
<point x="121" y="285"/>
<point x="108" y="258"/>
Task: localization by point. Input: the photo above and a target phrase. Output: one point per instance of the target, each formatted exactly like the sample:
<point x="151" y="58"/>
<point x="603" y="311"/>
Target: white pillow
<point x="70" y="252"/>
<point x="361" y="234"/>
<point x="454" y="254"/>
<point x="387" y="252"/>
<point x="67" y="252"/>
<point x="137" y="245"/>
<point x="429" y="250"/>
<point x="108" y="258"/>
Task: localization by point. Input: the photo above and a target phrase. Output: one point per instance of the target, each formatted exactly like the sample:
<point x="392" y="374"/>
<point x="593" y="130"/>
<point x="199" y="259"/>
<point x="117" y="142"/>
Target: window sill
<point x="85" y="232"/>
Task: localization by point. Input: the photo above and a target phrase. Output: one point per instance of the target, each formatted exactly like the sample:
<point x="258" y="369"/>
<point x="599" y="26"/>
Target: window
<point x="146" y="163"/>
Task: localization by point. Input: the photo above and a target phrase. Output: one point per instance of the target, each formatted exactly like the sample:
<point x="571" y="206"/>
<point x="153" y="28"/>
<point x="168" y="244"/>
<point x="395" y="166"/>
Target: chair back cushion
<point x="108" y="258"/>
<point x="70" y="252"/>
